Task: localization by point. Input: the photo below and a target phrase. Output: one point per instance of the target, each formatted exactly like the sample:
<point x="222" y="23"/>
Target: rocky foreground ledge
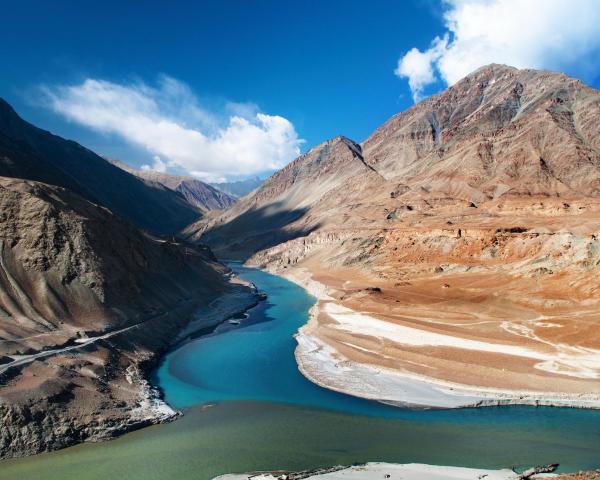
<point x="411" y="471"/>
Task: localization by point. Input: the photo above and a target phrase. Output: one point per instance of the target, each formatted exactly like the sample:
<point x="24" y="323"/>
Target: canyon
<point x="454" y="257"/>
<point x="454" y="252"/>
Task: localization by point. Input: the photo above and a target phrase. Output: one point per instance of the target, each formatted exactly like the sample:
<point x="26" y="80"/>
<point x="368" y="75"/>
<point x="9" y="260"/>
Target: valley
<point x="440" y="276"/>
<point x="88" y="300"/>
<point x="246" y="407"/>
<point x="455" y="249"/>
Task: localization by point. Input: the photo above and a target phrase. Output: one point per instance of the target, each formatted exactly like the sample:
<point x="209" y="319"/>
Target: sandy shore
<point x="378" y="471"/>
<point x="220" y="309"/>
<point x="324" y="365"/>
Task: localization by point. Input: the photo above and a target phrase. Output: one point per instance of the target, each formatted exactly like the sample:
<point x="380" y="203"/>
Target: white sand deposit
<point x="391" y="471"/>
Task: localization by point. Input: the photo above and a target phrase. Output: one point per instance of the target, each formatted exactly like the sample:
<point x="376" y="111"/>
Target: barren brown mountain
<point x="87" y="303"/>
<point x="455" y="253"/>
<point x="197" y="193"/>
<point x="34" y="154"/>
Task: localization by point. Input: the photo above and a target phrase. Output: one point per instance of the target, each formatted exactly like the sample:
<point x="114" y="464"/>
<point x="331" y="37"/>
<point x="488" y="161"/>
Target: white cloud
<point x="417" y="66"/>
<point x="169" y="123"/>
<point x="551" y="34"/>
<point x="157" y="165"/>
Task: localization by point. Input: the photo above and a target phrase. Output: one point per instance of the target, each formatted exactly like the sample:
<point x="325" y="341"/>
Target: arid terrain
<point x="88" y="300"/>
<point x="455" y="252"/>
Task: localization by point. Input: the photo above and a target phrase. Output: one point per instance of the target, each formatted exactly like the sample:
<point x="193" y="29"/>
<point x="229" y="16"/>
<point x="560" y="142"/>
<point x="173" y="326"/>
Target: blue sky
<point x="235" y="88"/>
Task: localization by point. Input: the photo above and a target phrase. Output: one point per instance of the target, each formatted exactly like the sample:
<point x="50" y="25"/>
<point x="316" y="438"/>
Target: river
<point x="248" y="408"/>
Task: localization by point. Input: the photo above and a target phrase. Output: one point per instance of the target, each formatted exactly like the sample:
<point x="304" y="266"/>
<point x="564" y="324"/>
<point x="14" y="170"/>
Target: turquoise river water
<point x="248" y="408"/>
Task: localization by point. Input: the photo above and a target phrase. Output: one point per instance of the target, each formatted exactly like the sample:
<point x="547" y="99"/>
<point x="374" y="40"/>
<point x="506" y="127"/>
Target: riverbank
<point x="252" y="436"/>
<point x="214" y="375"/>
<point x="391" y="471"/>
<point x="332" y="325"/>
<point x="100" y="388"/>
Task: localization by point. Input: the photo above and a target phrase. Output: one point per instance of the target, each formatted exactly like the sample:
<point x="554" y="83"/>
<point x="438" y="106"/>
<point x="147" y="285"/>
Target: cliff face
<point x="87" y="303"/>
<point x="472" y="215"/>
<point x="31" y="153"/>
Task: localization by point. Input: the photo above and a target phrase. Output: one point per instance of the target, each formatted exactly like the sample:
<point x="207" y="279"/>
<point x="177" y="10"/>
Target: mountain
<point x="240" y="188"/>
<point x="73" y="274"/>
<point x="31" y="153"/>
<point x="197" y="193"/>
<point x="498" y="131"/>
<point x="456" y="248"/>
<point x="285" y="206"/>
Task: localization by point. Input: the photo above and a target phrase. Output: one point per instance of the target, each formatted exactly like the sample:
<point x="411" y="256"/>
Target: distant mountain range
<point x="196" y="192"/>
<point x="240" y="188"/>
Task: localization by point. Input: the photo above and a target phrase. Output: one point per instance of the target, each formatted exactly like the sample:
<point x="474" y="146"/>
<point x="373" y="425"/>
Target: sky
<point x="226" y="90"/>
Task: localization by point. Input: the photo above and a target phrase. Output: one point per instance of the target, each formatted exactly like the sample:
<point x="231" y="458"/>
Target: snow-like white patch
<point x="410" y="471"/>
<point x="559" y="359"/>
<point x="323" y="365"/>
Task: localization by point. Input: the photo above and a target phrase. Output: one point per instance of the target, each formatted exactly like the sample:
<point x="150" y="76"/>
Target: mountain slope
<point x="197" y="193"/>
<point x="500" y="130"/>
<point x="456" y="249"/>
<point x="72" y="272"/>
<point x="34" y="154"/>
<point x="291" y="203"/>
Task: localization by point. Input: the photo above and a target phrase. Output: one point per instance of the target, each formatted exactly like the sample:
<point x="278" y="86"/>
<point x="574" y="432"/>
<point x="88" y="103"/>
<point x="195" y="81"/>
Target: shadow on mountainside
<point x="256" y="229"/>
<point x="31" y="153"/>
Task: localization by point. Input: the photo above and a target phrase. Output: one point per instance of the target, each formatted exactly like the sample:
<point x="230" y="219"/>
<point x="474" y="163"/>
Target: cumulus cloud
<point x="157" y="165"/>
<point x="168" y="121"/>
<point x="417" y="66"/>
<point x="550" y="34"/>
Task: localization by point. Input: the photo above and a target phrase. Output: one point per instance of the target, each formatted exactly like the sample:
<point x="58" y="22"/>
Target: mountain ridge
<point x="90" y="293"/>
<point x="197" y="193"/>
<point x="72" y="271"/>
<point x="31" y="153"/>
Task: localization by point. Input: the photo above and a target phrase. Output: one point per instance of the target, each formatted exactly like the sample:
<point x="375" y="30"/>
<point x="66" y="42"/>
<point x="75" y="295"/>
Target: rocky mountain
<point x="197" y="193"/>
<point x="456" y="246"/>
<point x="31" y="153"/>
<point x="286" y="205"/>
<point x="87" y="303"/>
<point x="239" y="188"/>
<point x="498" y="131"/>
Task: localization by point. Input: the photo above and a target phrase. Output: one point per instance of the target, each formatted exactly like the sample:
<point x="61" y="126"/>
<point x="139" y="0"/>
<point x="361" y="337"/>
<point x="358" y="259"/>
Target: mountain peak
<point x="493" y="69"/>
<point x="8" y="116"/>
<point x="481" y="105"/>
<point x="5" y="106"/>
